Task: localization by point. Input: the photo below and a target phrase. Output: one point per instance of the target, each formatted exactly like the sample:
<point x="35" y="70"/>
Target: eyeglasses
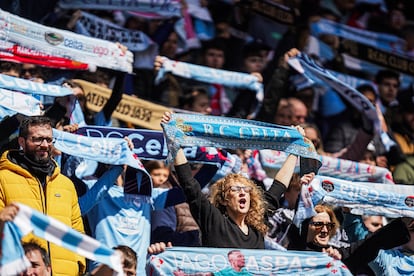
<point x="39" y="140"/>
<point x="319" y="225"/>
<point x="246" y="189"/>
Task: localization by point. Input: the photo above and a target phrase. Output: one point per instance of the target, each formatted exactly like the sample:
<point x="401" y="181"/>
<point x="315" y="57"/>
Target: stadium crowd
<point x="336" y="73"/>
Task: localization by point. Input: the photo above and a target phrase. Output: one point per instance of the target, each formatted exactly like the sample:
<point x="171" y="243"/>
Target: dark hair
<point x="32" y="121"/>
<point x="6" y="66"/>
<point x="365" y="87"/>
<point x="386" y="74"/>
<point x="154" y="165"/>
<point x="36" y="72"/>
<point x="190" y="96"/>
<point x="33" y="246"/>
<point x="254" y="48"/>
<point x="130" y="256"/>
<point x="99" y="76"/>
<point x="215" y="43"/>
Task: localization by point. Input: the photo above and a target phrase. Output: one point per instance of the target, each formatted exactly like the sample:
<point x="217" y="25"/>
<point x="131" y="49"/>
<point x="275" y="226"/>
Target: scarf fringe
<point x="15" y="267"/>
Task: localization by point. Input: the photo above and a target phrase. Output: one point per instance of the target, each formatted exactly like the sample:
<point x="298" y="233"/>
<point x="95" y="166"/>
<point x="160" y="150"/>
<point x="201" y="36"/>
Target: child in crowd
<point x="171" y="219"/>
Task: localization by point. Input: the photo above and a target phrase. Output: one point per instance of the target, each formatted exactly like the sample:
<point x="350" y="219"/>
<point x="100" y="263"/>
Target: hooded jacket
<point x="57" y="199"/>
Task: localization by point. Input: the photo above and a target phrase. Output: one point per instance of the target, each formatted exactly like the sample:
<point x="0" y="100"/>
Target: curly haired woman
<point x="234" y="217"/>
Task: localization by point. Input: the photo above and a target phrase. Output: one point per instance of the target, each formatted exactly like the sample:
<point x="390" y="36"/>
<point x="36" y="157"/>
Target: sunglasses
<point x="246" y="189"/>
<point x="31" y="71"/>
<point x="319" y="225"/>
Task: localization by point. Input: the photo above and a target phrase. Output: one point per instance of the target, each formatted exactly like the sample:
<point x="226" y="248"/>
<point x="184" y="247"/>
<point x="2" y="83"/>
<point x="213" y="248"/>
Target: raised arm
<point x="186" y="180"/>
<point x="282" y="178"/>
<point x="180" y="158"/>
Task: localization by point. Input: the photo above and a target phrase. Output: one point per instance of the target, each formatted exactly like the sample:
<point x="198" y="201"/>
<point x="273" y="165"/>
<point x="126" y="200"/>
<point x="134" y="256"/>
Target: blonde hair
<point x="255" y="216"/>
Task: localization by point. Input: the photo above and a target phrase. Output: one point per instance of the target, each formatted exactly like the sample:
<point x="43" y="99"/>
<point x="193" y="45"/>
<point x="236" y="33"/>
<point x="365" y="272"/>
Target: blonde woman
<point x="234" y="215"/>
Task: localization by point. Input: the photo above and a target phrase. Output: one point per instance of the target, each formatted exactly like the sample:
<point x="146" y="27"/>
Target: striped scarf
<point x="144" y="8"/>
<point x="389" y="200"/>
<point x="233" y="133"/>
<point x="211" y="75"/>
<point x="27" y="220"/>
<point x="108" y="151"/>
<point x="62" y="43"/>
<point x="333" y="167"/>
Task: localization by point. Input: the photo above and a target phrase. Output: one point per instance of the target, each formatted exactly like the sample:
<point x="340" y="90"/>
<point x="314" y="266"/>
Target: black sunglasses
<point x="319" y="225"/>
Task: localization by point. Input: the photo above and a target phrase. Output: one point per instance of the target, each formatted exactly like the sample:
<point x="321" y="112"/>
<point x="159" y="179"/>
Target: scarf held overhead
<point x="94" y="26"/>
<point x="151" y="145"/>
<point x="211" y="75"/>
<point x="334" y="167"/>
<point x="15" y="53"/>
<point x="308" y="67"/>
<point x="155" y="9"/>
<point x="390" y="43"/>
<point x="13" y="102"/>
<point x="233" y="133"/>
<point x="62" y="43"/>
<point x="113" y="151"/>
<point x="31" y="87"/>
<point x="388" y="200"/>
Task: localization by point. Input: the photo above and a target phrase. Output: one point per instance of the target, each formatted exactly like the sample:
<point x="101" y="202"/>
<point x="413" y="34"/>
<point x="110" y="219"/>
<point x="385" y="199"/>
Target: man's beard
<point x="37" y="159"/>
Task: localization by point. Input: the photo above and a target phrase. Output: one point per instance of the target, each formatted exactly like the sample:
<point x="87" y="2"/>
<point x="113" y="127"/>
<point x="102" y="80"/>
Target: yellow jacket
<point x="58" y="200"/>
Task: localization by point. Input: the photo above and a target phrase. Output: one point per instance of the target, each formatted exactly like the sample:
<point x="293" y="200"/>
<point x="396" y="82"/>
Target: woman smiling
<point x="317" y="231"/>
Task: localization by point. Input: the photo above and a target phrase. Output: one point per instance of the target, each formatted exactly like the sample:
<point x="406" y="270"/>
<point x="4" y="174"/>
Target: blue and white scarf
<point x="12" y="102"/>
<point x="4" y="112"/>
<point x="333" y="167"/>
<point x="151" y="8"/>
<point x="91" y="25"/>
<point x="31" y="87"/>
<point x="28" y="220"/>
<point x="108" y="151"/>
<point x="306" y="66"/>
<point x="302" y="82"/>
<point x="76" y="115"/>
<point x="389" y="200"/>
<point x="233" y="133"/>
<point x="62" y="43"/>
<point x="393" y="262"/>
<point x="356" y="64"/>
<point x="211" y="75"/>
<point x="198" y="11"/>
<point x="390" y="43"/>
<point x="203" y="260"/>
<point x="150" y="144"/>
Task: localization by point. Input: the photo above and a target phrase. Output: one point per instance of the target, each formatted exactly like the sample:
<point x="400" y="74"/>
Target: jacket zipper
<point x="43" y="192"/>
